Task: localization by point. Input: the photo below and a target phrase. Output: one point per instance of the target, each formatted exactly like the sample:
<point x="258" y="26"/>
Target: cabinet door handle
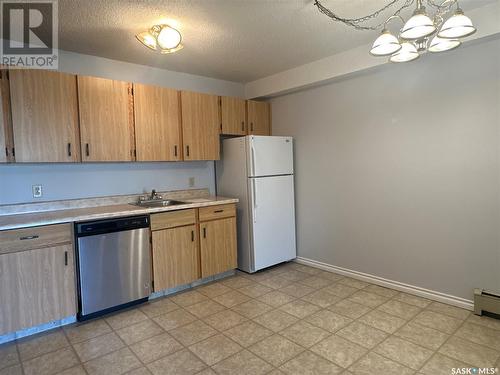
<point x="204" y="232"/>
<point x="65" y="258"/>
<point x="192" y="236"/>
<point x="175" y="150"/>
<point x="34" y="237"/>
<point x="187" y="150"/>
<point x="69" y="149"/>
<point x="251" y="126"/>
<point x="243" y="126"/>
<point x="7" y="151"/>
<point x="87" y="149"/>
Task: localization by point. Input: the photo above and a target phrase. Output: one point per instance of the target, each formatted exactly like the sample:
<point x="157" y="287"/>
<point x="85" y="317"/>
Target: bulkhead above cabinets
<point x="52" y="117"/>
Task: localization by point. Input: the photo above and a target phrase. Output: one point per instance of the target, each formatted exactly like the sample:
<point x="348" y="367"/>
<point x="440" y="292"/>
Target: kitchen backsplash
<point x="74" y="181"/>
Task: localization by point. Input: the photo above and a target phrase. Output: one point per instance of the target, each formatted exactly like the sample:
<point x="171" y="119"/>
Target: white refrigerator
<point x="259" y="171"/>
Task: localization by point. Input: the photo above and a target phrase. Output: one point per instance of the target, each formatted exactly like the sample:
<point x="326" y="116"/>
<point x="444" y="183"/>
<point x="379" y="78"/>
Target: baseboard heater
<point x="485" y="302"/>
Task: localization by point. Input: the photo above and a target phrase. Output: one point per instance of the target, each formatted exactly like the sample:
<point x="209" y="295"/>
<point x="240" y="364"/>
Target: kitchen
<point x="164" y="219"/>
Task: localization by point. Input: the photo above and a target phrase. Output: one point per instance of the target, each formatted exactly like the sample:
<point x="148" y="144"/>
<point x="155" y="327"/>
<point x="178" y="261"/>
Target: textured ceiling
<point x="236" y="40"/>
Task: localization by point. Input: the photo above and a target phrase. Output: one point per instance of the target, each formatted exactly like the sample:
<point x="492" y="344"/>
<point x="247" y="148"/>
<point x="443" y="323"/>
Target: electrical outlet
<point x="191" y="181"/>
<point x="37" y="191"/>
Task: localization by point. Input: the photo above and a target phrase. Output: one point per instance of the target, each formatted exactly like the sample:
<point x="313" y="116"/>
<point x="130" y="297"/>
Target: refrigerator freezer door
<point x="270" y="156"/>
<point x="273" y="220"/>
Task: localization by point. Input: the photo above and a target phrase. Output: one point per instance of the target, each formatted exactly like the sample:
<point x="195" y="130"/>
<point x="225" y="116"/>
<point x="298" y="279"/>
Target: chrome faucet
<point x="154" y="195"/>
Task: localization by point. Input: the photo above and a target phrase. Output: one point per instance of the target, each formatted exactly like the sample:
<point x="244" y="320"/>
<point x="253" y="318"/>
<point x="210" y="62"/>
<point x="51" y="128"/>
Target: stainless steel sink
<point x="157" y="203"/>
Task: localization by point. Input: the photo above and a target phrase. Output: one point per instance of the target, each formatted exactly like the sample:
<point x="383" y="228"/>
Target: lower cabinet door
<point x="36" y="287"/>
<point x="175" y="257"/>
<point x="218" y="246"/>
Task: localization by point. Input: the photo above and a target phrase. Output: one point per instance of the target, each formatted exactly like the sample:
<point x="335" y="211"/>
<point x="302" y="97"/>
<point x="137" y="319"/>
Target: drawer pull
<point x="218" y="211"/>
<point x="29" y="237"/>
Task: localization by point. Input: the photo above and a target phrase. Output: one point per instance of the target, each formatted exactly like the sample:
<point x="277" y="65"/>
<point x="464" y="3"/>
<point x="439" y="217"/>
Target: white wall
<point x="69" y="181"/>
<point x="77" y="63"/>
<point x="398" y="170"/>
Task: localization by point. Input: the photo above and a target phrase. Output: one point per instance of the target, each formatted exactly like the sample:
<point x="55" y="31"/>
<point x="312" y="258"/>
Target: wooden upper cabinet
<point x="157" y="123"/>
<point x="232" y="116"/>
<point x="44" y="116"/>
<point x="200" y="126"/>
<point x="6" y="136"/>
<point x="106" y="119"/>
<point x="259" y="118"/>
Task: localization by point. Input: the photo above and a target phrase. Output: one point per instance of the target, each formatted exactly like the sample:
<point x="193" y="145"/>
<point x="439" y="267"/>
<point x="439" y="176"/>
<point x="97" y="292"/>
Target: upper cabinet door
<point x="106" y="119"/>
<point x="232" y="116"/>
<point x="157" y="123"/>
<point x="6" y="138"/>
<point x="44" y="116"/>
<point x="259" y="118"/>
<point x="200" y="126"/>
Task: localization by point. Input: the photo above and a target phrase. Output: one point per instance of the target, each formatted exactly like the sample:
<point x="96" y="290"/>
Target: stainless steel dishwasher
<point x="114" y="264"/>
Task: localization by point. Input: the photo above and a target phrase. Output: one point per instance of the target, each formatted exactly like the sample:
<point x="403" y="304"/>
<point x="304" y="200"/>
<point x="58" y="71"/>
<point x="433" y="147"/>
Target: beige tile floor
<point x="291" y="319"/>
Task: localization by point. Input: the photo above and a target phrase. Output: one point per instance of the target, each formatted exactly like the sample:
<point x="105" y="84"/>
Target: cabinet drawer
<point x="217" y="212"/>
<point x="15" y="240"/>
<point x="173" y="219"/>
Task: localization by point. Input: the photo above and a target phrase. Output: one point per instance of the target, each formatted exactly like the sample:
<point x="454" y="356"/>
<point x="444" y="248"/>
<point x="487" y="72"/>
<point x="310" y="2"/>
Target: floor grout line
<point x="258" y="280"/>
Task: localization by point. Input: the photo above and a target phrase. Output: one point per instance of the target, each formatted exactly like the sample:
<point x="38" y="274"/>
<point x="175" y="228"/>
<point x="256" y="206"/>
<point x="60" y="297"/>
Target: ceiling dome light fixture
<point x="163" y="38"/>
<point x="421" y="33"/>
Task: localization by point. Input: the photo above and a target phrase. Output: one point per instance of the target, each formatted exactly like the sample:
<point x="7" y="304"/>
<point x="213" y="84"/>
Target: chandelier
<point x="437" y="32"/>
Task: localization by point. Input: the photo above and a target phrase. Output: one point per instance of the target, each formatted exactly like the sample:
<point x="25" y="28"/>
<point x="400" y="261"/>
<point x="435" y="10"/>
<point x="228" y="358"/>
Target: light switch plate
<point x="37" y="191"/>
<point x="191" y="181"/>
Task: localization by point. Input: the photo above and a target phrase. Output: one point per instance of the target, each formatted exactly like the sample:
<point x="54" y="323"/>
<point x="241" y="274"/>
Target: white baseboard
<point x="410" y="289"/>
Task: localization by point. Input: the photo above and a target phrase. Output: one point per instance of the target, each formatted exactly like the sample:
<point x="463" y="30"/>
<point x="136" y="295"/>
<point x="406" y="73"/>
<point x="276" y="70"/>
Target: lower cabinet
<point x="175" y="257"/>
<point x="37" y="284"/>
<point x="191" y="244"/>
<point x="218" y="246"/>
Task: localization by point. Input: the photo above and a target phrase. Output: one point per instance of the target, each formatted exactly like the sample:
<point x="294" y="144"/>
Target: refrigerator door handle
<point x="253" y="159"/>
<point x="254" y="198"/>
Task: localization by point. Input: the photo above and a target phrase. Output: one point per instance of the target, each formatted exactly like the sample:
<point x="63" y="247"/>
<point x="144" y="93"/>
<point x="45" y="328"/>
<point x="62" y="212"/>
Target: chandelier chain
<point x="356" y="23"/>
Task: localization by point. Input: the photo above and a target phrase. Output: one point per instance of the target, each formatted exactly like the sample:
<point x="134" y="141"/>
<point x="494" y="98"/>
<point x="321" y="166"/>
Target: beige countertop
<point x="34" y="219"/>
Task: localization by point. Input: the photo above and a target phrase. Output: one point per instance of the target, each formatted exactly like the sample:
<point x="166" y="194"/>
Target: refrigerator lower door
<point x="272" y="220"/>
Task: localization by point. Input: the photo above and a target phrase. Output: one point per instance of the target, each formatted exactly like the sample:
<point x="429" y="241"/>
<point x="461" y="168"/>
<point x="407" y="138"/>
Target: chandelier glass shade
<point x="437" y="30"/>
<point x="457" y="26"/>
<point x="163" y="38"/>
<point x="408" y="52"/>
<point x="440" y="44"/>
<point x="418" y="26"/>
<point x="385" y="45"/>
